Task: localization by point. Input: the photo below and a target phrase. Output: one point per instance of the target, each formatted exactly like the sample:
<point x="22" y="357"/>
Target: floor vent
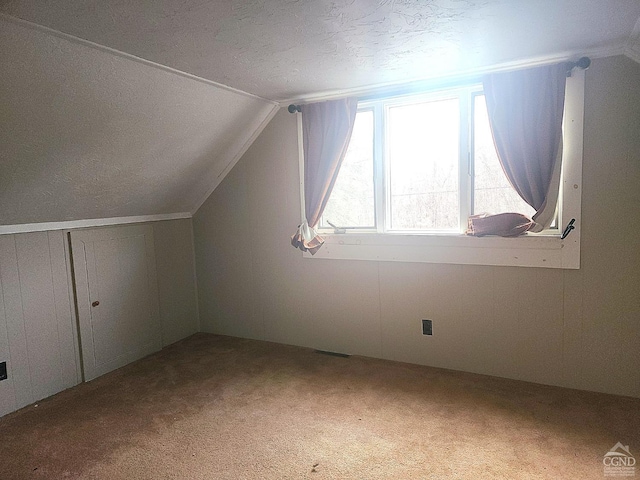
<point x="333" y="354"/>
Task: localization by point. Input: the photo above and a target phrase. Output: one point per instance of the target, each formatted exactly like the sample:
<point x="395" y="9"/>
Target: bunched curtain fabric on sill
<point x="326" y="131"/>
<point x="525" y="113"/>
<point x="502" y="224"/>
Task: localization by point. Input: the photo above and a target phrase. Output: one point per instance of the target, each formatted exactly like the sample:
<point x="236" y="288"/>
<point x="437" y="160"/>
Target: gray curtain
<point x="326" y="132"/>
<point x="525" y="113"/>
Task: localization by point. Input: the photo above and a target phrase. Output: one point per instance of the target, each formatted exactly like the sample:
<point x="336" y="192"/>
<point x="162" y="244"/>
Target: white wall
<point x="578" y="329"/>
<point x="37" y="318"/>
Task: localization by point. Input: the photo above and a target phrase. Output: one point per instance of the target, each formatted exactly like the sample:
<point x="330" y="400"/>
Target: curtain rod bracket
<point x="582" y="62"/>
<point x="294" y="108"/>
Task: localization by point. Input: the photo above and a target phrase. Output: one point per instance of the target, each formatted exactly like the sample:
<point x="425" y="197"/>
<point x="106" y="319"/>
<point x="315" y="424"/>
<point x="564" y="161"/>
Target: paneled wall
<point x="38" y="335"/>
<point x="176" y="279"/>
<point x="36" y="320"/>
<point x="574" y="328"/>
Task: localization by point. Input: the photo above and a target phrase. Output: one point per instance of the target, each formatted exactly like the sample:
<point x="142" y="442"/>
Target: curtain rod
<point x="582" y="63"/>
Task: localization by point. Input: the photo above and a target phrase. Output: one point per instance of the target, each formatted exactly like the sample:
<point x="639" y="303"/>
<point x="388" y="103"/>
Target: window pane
<point x="492" y="191"/>
<point x="423" y="165"/>
<point x="352" y="199"/>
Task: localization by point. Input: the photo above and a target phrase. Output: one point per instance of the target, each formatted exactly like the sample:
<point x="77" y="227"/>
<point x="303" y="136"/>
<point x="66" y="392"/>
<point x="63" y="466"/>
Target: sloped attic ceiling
<point x="88" y="134"/>
<point x="111" y="108"/>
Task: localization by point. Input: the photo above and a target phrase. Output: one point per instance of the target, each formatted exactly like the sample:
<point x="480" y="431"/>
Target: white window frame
<point x="545" y="249"/>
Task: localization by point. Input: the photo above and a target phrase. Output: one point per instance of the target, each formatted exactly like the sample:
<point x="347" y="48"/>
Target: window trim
<point x="545" y="249"/>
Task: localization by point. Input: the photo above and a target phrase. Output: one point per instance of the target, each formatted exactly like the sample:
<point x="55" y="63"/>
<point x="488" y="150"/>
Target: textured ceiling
<point x="87" y="134"/>
<point x="282" y="49"/>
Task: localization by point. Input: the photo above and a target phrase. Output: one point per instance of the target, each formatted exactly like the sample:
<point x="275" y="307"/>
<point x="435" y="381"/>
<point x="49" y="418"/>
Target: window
<point x="431" y="161"/>
<point x="422" y="164"/>
<point x="416" y="168"/>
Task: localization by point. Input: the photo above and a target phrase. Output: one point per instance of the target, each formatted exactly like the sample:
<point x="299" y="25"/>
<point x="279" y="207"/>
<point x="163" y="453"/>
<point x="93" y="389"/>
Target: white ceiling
<point x="283" y="49"/>
<point x="89" y="131"/>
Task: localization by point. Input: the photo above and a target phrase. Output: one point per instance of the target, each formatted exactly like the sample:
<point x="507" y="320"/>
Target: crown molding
<point x="92" y="222"/>
<point x="456" y="77"/>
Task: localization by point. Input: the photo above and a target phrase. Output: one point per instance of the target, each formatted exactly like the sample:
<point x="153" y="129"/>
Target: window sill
<point x="547" y="251"/>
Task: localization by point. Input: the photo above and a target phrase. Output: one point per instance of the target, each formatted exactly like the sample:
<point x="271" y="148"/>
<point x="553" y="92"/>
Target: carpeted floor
<point x="214" y="407"/>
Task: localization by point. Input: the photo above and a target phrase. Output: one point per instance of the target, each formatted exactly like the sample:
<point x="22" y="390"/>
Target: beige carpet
<point x="214" y="407"/>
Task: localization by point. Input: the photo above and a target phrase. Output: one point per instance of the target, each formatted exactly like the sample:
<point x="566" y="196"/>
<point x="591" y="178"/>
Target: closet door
<point x="117" y="294"/>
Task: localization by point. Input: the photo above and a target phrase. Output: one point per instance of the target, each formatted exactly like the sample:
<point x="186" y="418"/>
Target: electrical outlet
<point x="3" y="371"/>
<point x="427" y="327"/>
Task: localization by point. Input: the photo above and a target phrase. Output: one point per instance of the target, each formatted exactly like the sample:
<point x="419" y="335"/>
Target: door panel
<point x="117" y="293"/>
